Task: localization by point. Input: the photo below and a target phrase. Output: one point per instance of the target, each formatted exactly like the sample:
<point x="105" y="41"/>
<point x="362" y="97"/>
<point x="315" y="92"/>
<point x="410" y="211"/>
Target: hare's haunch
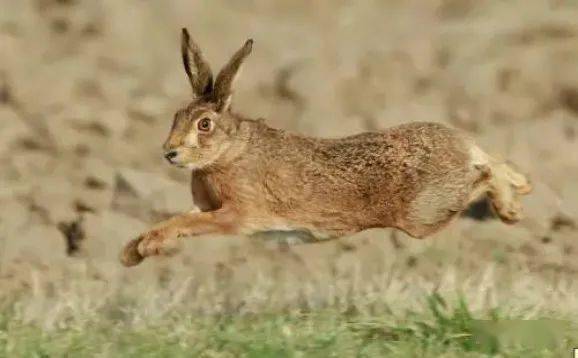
<point x="249" y="178"/>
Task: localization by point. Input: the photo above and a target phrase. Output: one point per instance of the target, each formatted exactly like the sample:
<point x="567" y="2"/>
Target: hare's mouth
<point x="183" y="165"/>
<point x="179" y="160"/>
<point x="189" y="166"/>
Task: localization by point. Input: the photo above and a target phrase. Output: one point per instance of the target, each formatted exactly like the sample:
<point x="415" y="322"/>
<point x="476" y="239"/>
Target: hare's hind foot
<point x="520" y="183"/>
<point x="503" y="184"/>
<point x="504" y="190"/>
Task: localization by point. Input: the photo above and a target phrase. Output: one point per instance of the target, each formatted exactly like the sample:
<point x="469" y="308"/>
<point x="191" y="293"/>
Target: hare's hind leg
<point x="503" y="185"/>
<point x="442" y="200"/>
<point x="505" y="188"/>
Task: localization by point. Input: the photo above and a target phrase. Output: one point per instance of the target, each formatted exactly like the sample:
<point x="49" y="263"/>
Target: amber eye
<point x="204" y="124"/>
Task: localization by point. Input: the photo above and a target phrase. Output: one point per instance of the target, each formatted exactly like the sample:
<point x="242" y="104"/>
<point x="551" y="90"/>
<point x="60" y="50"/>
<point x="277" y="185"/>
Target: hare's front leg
<point x="162" y="239"/>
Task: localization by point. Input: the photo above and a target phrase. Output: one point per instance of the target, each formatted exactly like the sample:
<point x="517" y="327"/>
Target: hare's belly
<point x="289" y="230"/>
<point x="289" y="237"/>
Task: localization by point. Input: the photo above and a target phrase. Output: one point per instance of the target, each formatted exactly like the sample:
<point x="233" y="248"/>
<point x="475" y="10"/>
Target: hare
<point x="249" y="178"/>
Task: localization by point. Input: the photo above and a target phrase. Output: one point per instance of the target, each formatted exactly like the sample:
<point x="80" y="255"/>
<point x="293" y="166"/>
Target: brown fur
<point x="249" y="178"/>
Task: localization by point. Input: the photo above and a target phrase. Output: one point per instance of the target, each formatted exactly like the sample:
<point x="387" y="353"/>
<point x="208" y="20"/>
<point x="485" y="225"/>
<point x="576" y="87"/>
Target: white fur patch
<point x="285" y="228"/>
<point x="192" y="166"/>
<point x="478" y="156"/>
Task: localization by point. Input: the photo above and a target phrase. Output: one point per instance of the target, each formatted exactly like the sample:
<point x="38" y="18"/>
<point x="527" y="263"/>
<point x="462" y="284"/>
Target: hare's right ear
<point x="225" y="79"/>
<point x="198" y="70"/>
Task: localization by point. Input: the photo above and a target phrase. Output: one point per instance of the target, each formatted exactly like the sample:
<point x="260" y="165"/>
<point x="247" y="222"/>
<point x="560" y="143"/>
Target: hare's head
<point x="205" y="128"/>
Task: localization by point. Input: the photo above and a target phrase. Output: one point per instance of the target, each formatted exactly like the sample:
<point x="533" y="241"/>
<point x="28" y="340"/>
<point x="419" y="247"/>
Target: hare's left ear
<point x="196" y="67"/>
<point x="223" y="89"/>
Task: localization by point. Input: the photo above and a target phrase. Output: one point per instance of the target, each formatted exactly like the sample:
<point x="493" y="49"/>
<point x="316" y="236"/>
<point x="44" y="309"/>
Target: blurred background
<point x="87" y="94"/>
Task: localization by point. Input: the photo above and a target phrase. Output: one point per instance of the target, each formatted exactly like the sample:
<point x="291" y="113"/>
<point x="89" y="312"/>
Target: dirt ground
<point x="87" y="94"/>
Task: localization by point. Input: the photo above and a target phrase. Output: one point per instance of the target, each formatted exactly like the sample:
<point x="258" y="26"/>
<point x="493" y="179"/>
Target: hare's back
<point x="417" y="148"/>
<point x="422" y="144"/>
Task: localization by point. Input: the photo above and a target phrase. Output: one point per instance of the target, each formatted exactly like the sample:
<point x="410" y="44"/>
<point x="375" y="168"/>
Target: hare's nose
<point x="170" y="155"/>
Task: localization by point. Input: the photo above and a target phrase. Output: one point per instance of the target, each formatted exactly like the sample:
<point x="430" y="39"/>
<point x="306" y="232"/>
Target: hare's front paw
<point x="158" y="242"/>
<point x="153" y="243"/>
<point x="130" y="255"/>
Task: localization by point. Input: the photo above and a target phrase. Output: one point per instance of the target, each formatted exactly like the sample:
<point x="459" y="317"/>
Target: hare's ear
<point x="198" y="70"/>
<point x="224" y="83"/>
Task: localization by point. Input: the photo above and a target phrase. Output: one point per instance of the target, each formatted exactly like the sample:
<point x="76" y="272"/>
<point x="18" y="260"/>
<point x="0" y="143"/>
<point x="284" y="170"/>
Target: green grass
<point x="441" y="330"/>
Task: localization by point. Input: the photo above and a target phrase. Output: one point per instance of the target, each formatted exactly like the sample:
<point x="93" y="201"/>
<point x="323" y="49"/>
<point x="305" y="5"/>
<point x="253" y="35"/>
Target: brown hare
<point x="249" y="178"/>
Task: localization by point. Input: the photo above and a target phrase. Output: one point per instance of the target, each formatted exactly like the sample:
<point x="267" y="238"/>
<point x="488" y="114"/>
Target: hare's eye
<point x="204" y="124"/>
